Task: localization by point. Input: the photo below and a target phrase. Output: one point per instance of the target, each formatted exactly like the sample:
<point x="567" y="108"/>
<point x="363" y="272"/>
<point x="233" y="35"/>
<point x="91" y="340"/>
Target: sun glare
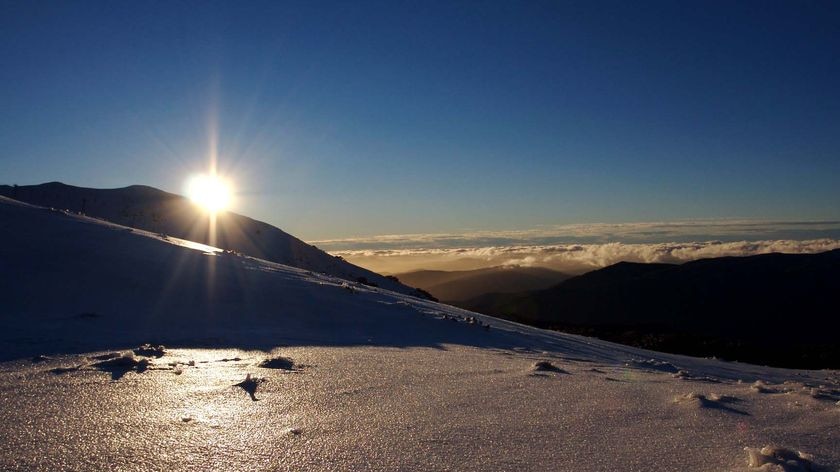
<point x="209" y="192"/>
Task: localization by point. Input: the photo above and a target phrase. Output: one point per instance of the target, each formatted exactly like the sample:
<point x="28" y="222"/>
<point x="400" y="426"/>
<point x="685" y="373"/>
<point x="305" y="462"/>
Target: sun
<point x="209" y="192"/>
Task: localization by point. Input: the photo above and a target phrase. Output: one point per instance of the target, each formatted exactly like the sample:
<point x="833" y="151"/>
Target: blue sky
<point x="361" y="118"/>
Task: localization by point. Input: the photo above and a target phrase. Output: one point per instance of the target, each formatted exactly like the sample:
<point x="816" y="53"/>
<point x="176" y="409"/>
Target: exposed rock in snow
<point x="294" y="431"/>
<point x="64" y="370"/>
<point x="151" y="350"/>
<point x="229" y="359"/>
<point x="105" y="357"/>
<point x="282" y="363"/>
<point x="250" y="385"/>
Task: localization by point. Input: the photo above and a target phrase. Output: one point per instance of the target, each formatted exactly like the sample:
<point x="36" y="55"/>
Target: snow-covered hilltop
<point x="272" y="367"/>
<point x="150" y="209"/>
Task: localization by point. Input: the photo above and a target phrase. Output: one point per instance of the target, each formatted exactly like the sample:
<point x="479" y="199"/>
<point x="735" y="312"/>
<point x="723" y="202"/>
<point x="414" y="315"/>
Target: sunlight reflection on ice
<point x="209" y="250"/>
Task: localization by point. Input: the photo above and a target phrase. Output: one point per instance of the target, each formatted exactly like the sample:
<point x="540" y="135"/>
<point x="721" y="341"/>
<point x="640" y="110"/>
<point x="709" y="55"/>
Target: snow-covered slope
<point x="378" y="380"/>
<point x="150" y="209"/>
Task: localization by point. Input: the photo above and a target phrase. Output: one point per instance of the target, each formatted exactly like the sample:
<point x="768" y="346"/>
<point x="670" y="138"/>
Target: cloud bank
<point x="572" y="258"/>
<point x="652" y="232"/>
<point x="580" y="248"/>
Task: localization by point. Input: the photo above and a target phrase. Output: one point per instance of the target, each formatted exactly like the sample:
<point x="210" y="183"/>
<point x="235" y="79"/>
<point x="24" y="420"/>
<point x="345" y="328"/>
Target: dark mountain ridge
<point x="453" y="286"/>
<point x="155" y="210"/>
<point x="774" y="308"/>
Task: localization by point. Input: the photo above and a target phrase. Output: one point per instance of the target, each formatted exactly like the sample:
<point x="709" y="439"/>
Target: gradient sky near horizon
<point x="350" y="119"/>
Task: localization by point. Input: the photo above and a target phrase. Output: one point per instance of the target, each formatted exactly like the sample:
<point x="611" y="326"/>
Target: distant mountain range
<point x="154" y="210"/>
<point x="782" y="309"/>
<point x="455" y="286"/>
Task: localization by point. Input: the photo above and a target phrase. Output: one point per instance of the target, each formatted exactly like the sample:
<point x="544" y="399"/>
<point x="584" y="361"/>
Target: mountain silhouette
<point x="770" y="308"/>
<point x="151" y="209"/>
<point x="453" y="286"/>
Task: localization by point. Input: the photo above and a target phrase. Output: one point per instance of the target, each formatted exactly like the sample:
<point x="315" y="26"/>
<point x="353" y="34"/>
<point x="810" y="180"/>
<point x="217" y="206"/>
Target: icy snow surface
<point x="380" y="381"/>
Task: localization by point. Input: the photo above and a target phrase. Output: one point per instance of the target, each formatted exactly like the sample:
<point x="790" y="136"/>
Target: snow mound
<point x="546" y="366"/>
<point x="762" y="387"/>
<point x="119" y="366"/>
<point x="685" y="375"/>
<point x="711" y="401"/>
<point x="723" y="398"/>
<point x="653" y="364"/>
<point x="821" y="393"/>
<point x="817" y="392"/>
<point x="770" y="458"/>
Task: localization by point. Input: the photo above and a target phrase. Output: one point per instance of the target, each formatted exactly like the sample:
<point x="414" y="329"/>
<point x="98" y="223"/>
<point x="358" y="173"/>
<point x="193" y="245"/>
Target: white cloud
<point x="582" y="247"/>
<point x="651" y="232"/>
<point x="573" y="258"/>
